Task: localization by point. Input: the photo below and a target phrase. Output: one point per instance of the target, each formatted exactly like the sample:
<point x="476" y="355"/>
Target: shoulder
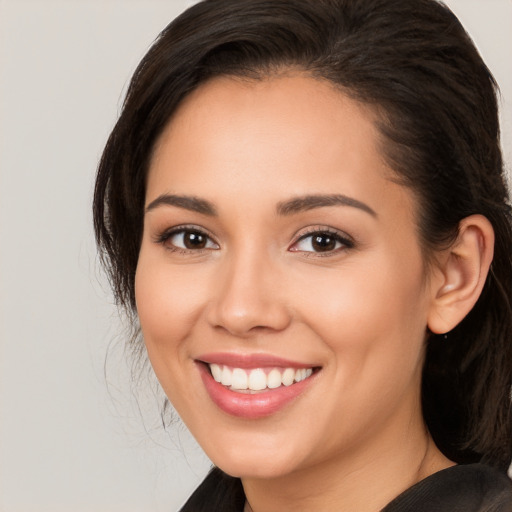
<point x="464" y="488"/>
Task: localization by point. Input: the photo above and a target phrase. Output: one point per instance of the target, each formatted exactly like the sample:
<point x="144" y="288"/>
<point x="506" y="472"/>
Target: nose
<point x="248" y="297"/>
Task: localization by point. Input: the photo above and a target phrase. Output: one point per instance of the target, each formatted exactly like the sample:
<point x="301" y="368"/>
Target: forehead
<point x="288" y="105"/>
<point x="284" y="135"/>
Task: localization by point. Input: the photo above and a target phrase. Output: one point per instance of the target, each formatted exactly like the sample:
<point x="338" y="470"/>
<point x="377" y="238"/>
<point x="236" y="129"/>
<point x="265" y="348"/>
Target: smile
<point x="257" y="379"/>
<point x="254" y="386"/>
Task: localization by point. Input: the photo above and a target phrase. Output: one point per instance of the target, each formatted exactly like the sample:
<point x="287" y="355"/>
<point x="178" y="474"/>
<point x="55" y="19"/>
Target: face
<point x="280" y="285"/>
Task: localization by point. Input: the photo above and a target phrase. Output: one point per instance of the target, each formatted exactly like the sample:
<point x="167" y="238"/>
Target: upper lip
<point x="251" y="360"/>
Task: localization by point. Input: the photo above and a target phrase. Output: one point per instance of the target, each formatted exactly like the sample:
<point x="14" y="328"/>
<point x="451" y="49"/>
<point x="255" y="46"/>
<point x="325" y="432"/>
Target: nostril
<point x="246" y="321"/>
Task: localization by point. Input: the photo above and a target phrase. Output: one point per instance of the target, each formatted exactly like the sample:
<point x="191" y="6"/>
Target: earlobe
<point x="461" y="274"/>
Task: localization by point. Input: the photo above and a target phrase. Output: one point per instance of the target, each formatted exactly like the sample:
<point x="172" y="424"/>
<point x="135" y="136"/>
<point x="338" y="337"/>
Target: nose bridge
<point x="245" y="299"/>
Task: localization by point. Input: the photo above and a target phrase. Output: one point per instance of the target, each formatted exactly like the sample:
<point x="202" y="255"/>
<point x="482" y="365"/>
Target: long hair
<point x="410" y="60"/>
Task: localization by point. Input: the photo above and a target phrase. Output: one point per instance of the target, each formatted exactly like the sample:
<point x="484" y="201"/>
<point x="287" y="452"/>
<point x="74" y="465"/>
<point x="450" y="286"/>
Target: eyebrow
<point x="309" y="202"/>
<point x="191" y="203"/>
<point x="290" y="207"/>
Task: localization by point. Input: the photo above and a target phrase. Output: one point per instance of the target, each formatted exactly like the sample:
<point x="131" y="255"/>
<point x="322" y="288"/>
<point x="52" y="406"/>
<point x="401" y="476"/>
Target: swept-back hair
<point x="437" y="115"/>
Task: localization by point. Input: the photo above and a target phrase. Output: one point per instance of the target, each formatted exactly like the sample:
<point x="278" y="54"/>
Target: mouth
<point x="254" y="386"/>
<point x="257" y="380"/>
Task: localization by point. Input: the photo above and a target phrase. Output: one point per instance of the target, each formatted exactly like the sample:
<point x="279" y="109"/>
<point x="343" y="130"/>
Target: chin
<point x="253" y="468"/>
<point x="248" y="460"/>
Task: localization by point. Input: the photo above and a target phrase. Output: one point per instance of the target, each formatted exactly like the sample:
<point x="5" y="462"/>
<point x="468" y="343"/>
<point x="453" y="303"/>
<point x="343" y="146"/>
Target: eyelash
<point x="342" y="239"/>
<point x="164" y="237"/>
<point x="338" y="237"/>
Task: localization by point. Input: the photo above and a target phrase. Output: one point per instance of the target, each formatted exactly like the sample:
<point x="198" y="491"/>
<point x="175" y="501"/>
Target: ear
<point x="461" y="274"/>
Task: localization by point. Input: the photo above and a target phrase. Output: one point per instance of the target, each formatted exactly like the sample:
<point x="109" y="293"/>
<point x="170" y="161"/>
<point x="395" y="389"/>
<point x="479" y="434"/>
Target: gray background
<point x="69" y="441"/>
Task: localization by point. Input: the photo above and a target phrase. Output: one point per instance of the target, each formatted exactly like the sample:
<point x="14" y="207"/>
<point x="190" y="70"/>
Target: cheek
<point x="167" y="302"/>
<point x="372" y="316"/>
<point x="168" y="305"/>
<point x="373" y="323"/>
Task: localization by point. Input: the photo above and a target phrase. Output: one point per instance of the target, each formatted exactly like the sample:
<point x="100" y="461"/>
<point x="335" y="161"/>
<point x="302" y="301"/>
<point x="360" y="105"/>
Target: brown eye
<point x="194" y="240"/>
<point x="323" y="242"/>
<point x="187" y="239"/>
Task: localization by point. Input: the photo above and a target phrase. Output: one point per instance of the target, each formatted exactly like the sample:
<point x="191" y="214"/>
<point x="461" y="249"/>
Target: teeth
<point x="226" y="377"/>
<point x="257" y="380"/>
<point x="274" y="379"/>
<point x="239" y="379"/>
<point x="288" y="376"/>
<point x="216" y="372"/>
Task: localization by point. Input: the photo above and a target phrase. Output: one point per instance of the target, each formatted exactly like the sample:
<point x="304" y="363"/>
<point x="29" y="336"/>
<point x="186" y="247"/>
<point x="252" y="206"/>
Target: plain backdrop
<point x="71" y="438"/>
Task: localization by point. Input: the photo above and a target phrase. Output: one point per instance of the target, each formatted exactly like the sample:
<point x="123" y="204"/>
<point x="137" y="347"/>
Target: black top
<point x="470" y="488"/>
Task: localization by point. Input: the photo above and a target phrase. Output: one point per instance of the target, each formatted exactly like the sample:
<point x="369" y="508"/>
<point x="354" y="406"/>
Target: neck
<point x="343" y="482"/>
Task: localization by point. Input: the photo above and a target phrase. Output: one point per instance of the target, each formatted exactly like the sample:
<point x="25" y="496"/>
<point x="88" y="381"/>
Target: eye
<point x="321" y="242"/>
<point x="186" y="239"/>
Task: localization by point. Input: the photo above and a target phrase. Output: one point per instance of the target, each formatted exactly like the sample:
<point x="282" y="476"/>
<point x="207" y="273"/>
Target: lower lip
<point x="252" y="406"/>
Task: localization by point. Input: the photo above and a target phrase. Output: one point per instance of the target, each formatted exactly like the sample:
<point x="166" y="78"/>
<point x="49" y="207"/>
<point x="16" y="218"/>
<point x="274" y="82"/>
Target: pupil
<point x="322" y="243"/>
<point x="194" y="240"/>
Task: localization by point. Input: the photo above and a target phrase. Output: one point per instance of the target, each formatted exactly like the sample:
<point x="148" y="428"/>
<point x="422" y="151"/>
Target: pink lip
<point x="252" y="406"/>
<point x="251" y="360"/>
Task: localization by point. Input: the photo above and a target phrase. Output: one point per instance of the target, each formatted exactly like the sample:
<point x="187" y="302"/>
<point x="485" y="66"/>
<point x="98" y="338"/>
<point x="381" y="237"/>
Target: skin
<point x="359" y="312"/>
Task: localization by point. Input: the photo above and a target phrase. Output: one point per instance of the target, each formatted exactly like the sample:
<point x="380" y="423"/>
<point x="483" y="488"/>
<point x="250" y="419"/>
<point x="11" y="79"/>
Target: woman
<point x="303" y="204"/>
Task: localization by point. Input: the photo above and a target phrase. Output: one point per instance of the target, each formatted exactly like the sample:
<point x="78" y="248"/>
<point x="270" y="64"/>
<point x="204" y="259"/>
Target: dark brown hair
<point x="436" y="99"/>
